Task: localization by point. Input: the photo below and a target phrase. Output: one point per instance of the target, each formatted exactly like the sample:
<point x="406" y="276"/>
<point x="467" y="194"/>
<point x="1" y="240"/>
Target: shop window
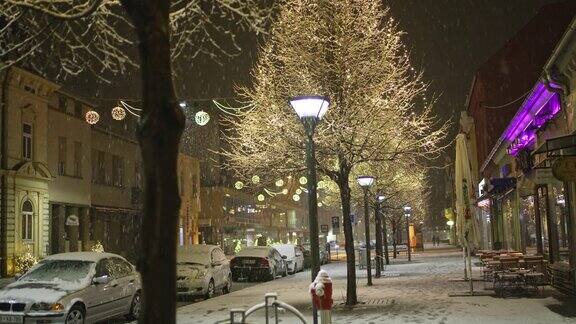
<point x="27" y="221"/>
<point x="61" y="155"/>
<point x="117" y="171"/>
<point x="27" y="141"/>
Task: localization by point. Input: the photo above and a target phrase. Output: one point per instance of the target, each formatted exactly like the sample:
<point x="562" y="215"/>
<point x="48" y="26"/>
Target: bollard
<point x="321" y="290"/>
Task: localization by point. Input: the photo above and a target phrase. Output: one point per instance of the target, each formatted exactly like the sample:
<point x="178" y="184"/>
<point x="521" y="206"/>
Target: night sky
<point x="449" y="39"/>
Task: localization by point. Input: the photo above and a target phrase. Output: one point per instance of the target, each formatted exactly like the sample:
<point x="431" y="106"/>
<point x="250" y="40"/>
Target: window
<point x="27" y="220"/>
<point x="61" y="155"/>
<point x="101" y="170"/>
<point x="77" y="159"/>
<point x="78" y="109"/>
<point x="117" y="171"/>
<point x="27" y="141"/>
<point x="138" y="174"/>
<point x="62" y="104"/>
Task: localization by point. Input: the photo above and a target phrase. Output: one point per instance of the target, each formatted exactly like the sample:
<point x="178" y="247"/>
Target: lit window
<point x="27" y="221"/>
<point x="27" y="141"/>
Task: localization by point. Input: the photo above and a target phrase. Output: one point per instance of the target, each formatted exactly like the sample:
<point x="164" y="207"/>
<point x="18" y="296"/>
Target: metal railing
<point x="271" y="305"/>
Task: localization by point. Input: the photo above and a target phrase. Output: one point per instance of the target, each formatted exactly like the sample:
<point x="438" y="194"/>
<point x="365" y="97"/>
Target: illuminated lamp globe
<point x="202" y="118"/>
<point x="296" y="197"/>
<point x="450" y="223"/>
<point x="310" y="106"/>
<point x="92" y="117"/>
<point x="239" y="185"/>
<point x="303" y="180"/>
<point x="365" y="181"/>
<point x="118" y="113"/>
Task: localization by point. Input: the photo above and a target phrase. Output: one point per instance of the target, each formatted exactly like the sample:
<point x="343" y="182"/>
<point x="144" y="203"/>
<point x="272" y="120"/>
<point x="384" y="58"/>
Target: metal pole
<point x="367" y="230"/>
<point x="310" y="124"/>
<point x="378" y="239"/>
<point x="408" y="236"/>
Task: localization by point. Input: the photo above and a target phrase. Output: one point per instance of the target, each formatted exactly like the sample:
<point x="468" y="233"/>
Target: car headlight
<point x="200" y="274"/>
<point x="57" y="307"/>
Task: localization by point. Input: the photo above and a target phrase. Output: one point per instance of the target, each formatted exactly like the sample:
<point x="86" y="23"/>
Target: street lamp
<point x="365" y="182"/>
<point x="407" y="213"/>
<point x="311" y="109"/>
<point x="378" y="223"/>
<point x="452" y="236"/>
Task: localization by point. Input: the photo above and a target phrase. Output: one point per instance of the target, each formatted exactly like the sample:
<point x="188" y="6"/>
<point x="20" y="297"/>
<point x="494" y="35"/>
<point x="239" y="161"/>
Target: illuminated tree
<point x="350" y="51"/>
<point x="89" y="36"/>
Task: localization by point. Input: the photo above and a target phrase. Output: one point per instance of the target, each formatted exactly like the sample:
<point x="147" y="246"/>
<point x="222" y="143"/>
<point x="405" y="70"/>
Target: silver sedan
<point x="71" y="288"/>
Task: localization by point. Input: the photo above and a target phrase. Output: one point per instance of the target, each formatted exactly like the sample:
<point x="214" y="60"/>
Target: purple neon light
<point x="541" y="106"/>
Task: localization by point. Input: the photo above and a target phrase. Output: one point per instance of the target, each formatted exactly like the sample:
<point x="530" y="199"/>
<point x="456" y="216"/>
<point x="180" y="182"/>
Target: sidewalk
<point x="415" y="292"/>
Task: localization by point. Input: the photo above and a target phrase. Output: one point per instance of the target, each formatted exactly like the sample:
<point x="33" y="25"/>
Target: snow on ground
<point x="415" y="292"/>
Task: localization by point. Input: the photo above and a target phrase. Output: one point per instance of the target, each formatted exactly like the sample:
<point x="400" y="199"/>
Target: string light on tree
<point x="255" y="179"/>
<point x="260" y="197"/>
<point x="279" y="183"/>
<point x="296" y="197"/>
<point x="202" y="118"/>
<point x="239" y="185"/>
<point x="303" y="180"/>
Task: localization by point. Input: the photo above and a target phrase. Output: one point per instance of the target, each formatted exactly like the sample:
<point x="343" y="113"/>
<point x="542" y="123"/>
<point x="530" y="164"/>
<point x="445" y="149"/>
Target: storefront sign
<point x="564" y="168"/>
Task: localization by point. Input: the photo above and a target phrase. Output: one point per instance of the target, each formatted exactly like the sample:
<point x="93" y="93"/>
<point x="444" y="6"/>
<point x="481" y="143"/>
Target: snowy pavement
<point x="416" y="292"/>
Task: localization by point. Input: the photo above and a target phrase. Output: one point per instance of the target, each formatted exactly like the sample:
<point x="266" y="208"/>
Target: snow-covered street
<point x="416" y="292"/>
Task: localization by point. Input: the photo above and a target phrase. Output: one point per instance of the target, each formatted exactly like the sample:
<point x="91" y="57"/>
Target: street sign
<point x="324" y="229"/>
<point x="335" y="225"/>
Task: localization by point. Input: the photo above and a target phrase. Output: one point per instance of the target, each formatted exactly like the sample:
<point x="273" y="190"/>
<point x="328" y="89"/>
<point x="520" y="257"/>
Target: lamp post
<point x="365" y="182"/>
<point x="311" y="109"/>
<point x="378" y="218"/>
<point x="407" y="213"/>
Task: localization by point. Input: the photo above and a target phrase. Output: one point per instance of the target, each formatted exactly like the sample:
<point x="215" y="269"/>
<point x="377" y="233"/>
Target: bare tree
<point x="352" y="52"/>
<point x="87" y="35"/>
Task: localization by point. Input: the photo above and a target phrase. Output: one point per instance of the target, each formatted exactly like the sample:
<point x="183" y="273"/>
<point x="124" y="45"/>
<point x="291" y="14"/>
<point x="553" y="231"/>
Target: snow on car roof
<point x="82" y="256"/>
<point x="198" y="253"/>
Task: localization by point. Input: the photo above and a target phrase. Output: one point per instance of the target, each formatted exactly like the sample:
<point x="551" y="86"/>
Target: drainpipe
<point x="4" y="168"/>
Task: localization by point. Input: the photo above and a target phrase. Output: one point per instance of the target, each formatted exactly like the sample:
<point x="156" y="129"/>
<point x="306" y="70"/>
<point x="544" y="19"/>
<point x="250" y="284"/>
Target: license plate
<point x="10" y="319"/>
<point x="249" y="261"/>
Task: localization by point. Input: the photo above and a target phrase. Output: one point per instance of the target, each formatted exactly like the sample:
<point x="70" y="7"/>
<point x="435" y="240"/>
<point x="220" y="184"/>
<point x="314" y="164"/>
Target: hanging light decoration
<point x="255" y="179"/>
<point x="303" y="180"/>
<point x="260" y="197"/>
<point x="92" y="117"/>
<point x="284" y="191"/>
<point x="296" y="197"/>
<point x="202" y="118"/>
<point x="279" y="183"/>
<point x="239" y="185"/>
<point x="118" y="113"/>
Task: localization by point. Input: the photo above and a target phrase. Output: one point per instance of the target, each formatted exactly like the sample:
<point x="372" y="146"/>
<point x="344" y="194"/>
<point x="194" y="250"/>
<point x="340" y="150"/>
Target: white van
<point x="293" y="255"/>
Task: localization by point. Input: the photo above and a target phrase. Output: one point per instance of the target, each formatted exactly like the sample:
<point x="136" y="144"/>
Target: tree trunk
<point x="394" y="242"/>
<point x="351" y="296"/>
<point x="161" y="126"/>
<point x="385" y="238"/>
<point x="378" y="223"/>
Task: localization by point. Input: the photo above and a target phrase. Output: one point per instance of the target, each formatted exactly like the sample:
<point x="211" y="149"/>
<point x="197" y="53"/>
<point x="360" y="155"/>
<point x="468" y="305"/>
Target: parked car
<point x="201" y="271"/>
<point x="323" y="254"/>
<point x="76" y="287"/>
<point x="293" y="255"/>
<point x="258" y="263"/>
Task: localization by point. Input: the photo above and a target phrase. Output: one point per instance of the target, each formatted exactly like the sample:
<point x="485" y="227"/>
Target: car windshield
<point x="60" y="270"/>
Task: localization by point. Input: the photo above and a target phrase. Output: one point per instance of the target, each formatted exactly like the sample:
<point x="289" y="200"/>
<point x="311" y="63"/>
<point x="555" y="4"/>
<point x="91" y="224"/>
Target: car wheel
<point x="135" y="307"/>
<point x="210" y="291"/>
<point x="75" y="315"/>
<point x="273" y="274"/>
<point x="295" y="268"/>
<point x="228" y="286"/>
<point x="285" y="273"/>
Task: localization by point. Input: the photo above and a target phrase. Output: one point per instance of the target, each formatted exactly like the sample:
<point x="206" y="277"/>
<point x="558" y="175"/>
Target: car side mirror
<point x="284" y="257"/>
<point x="102" y="280"/>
